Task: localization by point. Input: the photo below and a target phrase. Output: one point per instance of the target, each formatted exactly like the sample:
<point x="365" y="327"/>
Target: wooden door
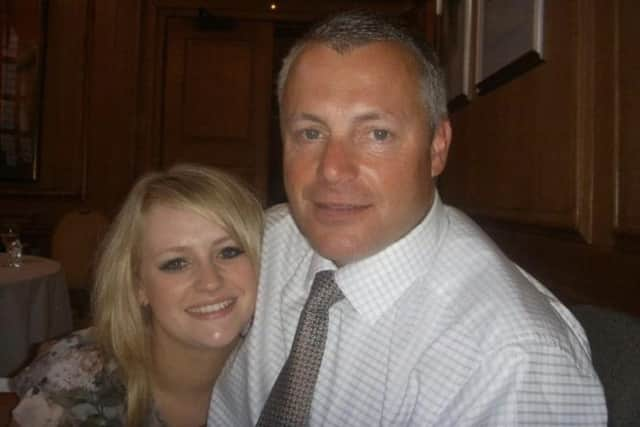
<point x="217" y="88"/>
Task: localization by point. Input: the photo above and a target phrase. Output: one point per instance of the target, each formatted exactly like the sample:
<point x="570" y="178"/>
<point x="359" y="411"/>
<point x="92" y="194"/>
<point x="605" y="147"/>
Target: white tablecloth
<point x="34" y="307"/>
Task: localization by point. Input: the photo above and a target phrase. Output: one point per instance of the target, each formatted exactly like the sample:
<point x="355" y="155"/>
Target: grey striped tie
<point x="290" y="399"/>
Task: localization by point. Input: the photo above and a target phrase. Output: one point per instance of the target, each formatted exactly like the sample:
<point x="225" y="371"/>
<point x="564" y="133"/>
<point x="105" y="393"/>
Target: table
<point x="34" y="307"/>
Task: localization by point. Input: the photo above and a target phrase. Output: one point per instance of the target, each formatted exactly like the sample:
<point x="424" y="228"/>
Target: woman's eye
<point x="229" y="252"/>
<point x="380" y="134"/>
<point x="176" y="264"/>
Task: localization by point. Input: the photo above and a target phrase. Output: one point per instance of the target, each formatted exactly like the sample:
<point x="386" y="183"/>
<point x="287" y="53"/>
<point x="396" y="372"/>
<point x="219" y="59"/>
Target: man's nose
<point x="337" y="161"/>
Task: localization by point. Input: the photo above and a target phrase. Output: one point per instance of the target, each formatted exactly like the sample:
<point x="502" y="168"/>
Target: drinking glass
<point x="10" y="237"/>
<point x="8" y="234"/>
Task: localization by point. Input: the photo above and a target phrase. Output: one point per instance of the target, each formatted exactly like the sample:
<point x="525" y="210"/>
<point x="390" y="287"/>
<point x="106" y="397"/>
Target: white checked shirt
<point x="438" y="329"/>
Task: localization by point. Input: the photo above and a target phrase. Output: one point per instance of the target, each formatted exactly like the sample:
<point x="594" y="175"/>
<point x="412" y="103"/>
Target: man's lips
<point x="338" y="212"/>
<point x="340" y="206"/>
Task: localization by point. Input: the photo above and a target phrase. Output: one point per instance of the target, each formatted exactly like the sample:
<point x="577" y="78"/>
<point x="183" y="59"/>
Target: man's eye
<point x="229" y="252"/>
<point x="380" y="134"/>
<point x="311" y="134"/>
<point x="175" y="264"/>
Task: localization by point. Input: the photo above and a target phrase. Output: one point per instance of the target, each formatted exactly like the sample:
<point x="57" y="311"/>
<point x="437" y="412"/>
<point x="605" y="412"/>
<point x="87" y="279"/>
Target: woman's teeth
<point x="212" y="308"/>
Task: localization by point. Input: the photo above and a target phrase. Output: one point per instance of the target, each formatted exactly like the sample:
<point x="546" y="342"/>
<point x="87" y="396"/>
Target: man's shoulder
<point x="277" y="216"/>
<point x="283" y="244"/>
<point x="486" y="288"/>
<point x="280" y="228"/>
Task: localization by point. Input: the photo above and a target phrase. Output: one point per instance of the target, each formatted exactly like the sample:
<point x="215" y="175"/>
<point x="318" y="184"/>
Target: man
<point x="436" y="326"/>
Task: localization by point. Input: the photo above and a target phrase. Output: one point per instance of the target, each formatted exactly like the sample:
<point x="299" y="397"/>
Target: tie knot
<point x="324" y="291"/>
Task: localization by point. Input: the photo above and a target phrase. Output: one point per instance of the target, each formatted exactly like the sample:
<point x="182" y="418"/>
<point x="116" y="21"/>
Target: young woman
<point x="175" y="289"/>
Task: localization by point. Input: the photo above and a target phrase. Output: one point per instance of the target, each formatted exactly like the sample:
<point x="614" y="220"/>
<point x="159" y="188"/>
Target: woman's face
<point x="199" y="283"/>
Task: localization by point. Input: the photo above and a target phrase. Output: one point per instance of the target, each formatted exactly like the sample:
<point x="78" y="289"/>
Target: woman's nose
<point x="209" y="277"/>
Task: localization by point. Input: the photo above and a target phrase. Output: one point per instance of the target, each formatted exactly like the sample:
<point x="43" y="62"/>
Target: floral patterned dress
<point x="71" y="384"/>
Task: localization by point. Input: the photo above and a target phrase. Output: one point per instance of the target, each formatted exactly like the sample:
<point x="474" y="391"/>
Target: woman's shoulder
<point x="71" y="362"/>
<point x="74" y="378"/>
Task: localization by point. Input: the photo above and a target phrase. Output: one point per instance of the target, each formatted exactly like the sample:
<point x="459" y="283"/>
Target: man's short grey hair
<point x="349" y="30"/>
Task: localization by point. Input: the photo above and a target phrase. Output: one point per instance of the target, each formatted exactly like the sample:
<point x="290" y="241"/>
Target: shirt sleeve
<point x="529" y="383"/>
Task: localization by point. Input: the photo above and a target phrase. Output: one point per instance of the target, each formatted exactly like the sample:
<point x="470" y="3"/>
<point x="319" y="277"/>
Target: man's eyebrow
<point x="368" y="116"/>
<point x="306" y="116"/>
<point x="359" y="118"/>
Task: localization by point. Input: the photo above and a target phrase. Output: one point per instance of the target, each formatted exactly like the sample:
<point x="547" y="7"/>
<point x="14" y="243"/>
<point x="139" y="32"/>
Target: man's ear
<point x="440" y="147"/>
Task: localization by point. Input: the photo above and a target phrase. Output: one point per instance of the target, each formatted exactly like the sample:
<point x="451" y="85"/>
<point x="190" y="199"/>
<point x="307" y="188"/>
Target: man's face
<point x="358" y="163"/>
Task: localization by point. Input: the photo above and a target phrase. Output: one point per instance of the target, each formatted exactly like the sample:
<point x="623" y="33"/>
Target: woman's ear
<point x="141" y="296"/>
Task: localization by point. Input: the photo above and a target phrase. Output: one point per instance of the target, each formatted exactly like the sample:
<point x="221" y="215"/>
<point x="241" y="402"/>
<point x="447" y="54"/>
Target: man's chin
<point x="341" y="251"/>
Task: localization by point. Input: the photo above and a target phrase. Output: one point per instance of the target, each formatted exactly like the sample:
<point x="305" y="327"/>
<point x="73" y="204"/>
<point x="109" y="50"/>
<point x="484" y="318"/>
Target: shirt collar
<point x="319" y="263"/>
<point x="374" y="284"/>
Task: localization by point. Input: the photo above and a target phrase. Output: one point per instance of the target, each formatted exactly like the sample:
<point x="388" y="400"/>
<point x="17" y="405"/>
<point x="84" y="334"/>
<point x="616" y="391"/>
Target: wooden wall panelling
<point x="217" y="93"/>
<point x="585" y="112"/>
<point x="62" y="146"/>
<point x="89" y="115"/>
<point x="603" y="123"/>
<point x="589" y="74"/>
<point x="62" y="160"/>
<point x="514" y="153"/>
<point x="627" y="109"/>
<point x="112" y="104"/>
<point x="149" y="106"/>
<point x="288" y="10"/>
<point x="574" y="271"/>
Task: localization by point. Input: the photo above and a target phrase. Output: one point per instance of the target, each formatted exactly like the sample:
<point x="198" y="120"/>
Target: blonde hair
<point x="121" y="328"/>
